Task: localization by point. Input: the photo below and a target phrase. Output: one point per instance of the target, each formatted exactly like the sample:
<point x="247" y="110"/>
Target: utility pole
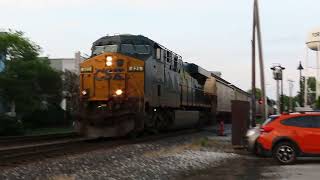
<point x="306" y="80"/>
<point x="318" y="73"/>
<point x="253" y="78"/>
<point x="300" y="68"/>
<point x="290" y="108"/>
<point x="281" y="98"/>
<point x="257" y="29"/>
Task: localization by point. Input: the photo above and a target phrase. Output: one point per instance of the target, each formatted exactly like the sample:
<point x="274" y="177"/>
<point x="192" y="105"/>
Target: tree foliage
<point x="27" y="80"/>
<point x="15" y="46"/>
<point x="30" y="84"/>
<point x="258" y="93"/>
<point x="71" y="90"/>
<point x="311" y="89"/>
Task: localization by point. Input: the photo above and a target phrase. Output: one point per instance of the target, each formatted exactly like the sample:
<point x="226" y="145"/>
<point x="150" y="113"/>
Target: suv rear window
<point x="303" y="121"/>
<point x="316" y="121"/>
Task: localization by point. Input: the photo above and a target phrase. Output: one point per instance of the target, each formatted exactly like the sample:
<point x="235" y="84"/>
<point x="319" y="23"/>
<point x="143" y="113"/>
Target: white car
<point x="254" y="133"/>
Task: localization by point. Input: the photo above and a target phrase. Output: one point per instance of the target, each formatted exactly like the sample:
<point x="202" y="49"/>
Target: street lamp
<point x="278" y="76"/>
<point x="300" y="68"/>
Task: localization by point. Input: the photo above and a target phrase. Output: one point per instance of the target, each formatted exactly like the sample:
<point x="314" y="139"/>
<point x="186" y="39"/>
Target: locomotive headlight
<point x="109" y="60"/>
<point x="119" y="92"/>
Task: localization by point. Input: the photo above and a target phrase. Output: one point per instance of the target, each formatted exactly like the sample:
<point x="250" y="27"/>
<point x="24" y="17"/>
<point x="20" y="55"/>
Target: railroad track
<point x="6" y="141"/>
<point x="13" y="156"/>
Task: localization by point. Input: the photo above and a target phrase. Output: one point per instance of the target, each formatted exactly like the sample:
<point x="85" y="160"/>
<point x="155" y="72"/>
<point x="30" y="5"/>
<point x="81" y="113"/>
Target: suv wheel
<point x="285" y="153"/>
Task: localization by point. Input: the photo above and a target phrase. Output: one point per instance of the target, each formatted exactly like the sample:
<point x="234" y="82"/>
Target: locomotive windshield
<point x="102" y="49"/>
<point x="127" y="49"/>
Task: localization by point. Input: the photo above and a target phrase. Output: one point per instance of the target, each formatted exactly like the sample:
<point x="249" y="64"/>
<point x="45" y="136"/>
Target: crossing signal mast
<point x="256" y="35"/>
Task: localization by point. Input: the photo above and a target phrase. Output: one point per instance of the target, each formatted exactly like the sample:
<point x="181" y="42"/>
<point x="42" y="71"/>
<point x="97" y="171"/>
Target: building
<point x="70" y="64"/>
<point x="63" y="64"/>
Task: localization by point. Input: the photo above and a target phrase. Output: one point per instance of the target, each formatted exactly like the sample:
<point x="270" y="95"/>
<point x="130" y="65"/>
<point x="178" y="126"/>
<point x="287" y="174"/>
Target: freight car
<point x="227" y="92"/>
<point x="132" y="84"/>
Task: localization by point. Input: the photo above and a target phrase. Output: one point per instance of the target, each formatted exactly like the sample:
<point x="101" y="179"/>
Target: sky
<point x="215" y="34"/>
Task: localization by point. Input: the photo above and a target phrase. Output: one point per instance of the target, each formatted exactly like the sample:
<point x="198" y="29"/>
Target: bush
<point x="53" y="117"/>
<point x="10" y="126"/>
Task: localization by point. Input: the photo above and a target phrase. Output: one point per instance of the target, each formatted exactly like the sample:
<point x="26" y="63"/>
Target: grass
<point x="195" y="145"/>
<point x="205" y="142"/>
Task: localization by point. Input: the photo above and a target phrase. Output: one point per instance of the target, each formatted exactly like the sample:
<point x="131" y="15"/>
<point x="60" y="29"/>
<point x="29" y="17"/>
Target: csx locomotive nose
<point x="104" y="77"/>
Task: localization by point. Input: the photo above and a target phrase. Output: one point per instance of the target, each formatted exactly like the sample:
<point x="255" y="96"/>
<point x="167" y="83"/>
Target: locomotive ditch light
<point x="108" y="63"/>
<point x="119" y="92"/>
<point x="84" y="92"/>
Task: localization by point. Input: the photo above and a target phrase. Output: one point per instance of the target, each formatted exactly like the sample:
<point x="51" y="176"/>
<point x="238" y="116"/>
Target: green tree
<point x="71" y="91"/>
<point x="311" y="87"/>
<point x="27" y="82"/>
<point x="15" y="46"/>
<point x="318" y="103"/>
<point x="286" y="102"/>
<point x="258" y="93"/>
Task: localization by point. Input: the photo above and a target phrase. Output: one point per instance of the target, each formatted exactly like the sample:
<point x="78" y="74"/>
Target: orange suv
<point x="289" y="136"/>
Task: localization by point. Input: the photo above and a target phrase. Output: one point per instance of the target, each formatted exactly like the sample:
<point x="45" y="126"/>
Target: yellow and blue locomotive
<point x="131" y="84"/>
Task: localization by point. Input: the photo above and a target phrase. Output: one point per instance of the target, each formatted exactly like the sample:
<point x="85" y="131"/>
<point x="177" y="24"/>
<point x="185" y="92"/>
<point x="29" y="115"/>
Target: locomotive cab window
<point x="127" y="49"/>
<point x="102" y="49"/>
<point x="142" y="49"/>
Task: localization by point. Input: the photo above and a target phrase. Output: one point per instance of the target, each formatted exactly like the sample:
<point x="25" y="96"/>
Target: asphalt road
<point x="251" y="167"/>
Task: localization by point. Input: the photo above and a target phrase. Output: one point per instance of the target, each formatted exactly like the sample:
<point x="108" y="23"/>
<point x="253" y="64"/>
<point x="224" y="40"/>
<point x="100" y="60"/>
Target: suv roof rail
<point x="300" y="112"/>
<point x="304" y="112"/>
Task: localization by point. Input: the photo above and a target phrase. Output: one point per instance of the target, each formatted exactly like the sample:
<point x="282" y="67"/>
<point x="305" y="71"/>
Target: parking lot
<point x="251" y="167"/>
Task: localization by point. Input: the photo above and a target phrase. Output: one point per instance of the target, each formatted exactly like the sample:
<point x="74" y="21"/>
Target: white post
<point x="278" y="97"/>
<point x="318" y="73"/>
<point x="306" y="79"/>
<point x="290" y="83"/>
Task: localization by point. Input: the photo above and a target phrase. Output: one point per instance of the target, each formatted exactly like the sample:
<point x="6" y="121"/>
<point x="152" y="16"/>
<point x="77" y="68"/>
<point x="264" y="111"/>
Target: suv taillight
<point x="266" y="129"/>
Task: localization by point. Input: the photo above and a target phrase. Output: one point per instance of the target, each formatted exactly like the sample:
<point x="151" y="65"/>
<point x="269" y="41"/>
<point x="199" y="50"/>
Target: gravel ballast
<point x="162" y="159"/>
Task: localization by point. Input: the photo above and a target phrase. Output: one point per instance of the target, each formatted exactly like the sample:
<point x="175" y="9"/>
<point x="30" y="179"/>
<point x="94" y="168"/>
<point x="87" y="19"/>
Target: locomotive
<point x="132" y="84"/>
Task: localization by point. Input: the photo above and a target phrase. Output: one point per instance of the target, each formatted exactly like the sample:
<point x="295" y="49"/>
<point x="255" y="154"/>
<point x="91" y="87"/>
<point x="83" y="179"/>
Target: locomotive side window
<point x="169" y="56"/>
<point x="179" y="64"/>
<point x="162" y="55"/>
<point x="175" y="63"/>
<point x="127" y="49"/>
<point x="158" y="54"/>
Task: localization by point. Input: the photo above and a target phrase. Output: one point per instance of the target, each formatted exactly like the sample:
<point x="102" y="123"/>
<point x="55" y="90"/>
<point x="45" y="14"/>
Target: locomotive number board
<point x="135" y="69"/>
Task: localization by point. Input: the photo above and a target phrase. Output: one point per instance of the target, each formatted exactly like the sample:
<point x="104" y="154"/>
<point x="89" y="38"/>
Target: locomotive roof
<point x="124" y="39"/>
<point x="128" y="39"/>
